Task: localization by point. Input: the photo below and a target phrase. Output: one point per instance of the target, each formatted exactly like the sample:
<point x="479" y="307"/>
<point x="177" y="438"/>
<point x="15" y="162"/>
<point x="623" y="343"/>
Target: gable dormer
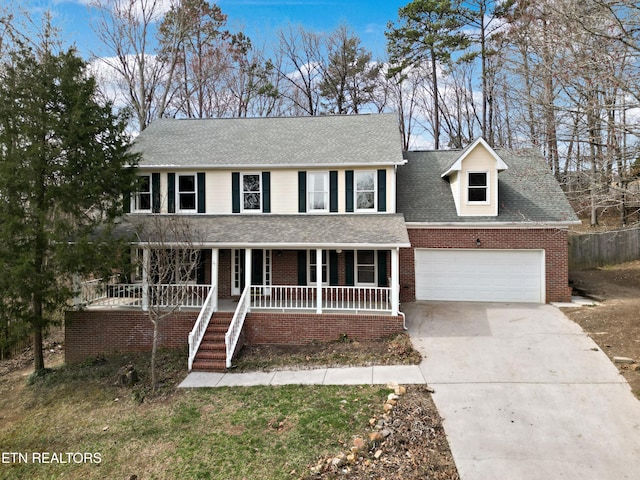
<point x="474" y="180"/>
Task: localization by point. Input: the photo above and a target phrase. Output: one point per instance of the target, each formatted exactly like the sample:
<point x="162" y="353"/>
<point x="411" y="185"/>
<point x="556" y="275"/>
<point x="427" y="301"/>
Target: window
<point x="142" y="198"/>
<point x="365" y="267"/>
<point x="365" y="190"/>
<point x="318" y="191"/>
<point x="313" y="267"/>
<point x="251" y="192"/>
<point x="477" y="186"/>
<point x="186" y="192"/>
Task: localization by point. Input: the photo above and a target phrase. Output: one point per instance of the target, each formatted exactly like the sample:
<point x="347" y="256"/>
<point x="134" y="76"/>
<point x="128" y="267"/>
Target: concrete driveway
<point x="525" y="393"/>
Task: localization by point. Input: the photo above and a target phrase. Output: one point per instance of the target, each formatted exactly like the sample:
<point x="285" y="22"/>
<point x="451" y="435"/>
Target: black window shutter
<point x="302" y="267"/>
<point x="302" y="192"/>
<point x="382" y="268"/>
<point x="266" y="192"/>
<point x="171" y="192"/>
<point x="126" y="201"/>
<point x="155" y="192"/>
<point x="349" y="270"/>
<point x="200" y="271"/>
<point x="235" y="192"/>
<point x="333" y="191"/>
<point x="382" y="190"/>
<point x="348" y="176"/>
<point x="333" y="267"/>
<point x="202" y="202"/>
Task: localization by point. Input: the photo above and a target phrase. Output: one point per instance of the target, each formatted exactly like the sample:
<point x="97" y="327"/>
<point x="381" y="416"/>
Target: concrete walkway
<point x="376" y="375"/>
<point x="525" y="394"/>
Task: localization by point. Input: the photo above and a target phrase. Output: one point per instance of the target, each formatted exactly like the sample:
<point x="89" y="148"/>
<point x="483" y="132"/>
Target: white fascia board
<point x="457" y="165"/>
<point x="489" y="225"/>
<point x="237" y="166"/>
<point x="281" y="246"/>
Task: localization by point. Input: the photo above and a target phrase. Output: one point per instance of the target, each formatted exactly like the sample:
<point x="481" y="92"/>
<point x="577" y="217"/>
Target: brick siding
<point x="91" y="333"/>
<point x="299" y="329"/>
<point x="553" y="241"/>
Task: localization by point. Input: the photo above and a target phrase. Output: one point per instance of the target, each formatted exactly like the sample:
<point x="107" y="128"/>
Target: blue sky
<point x="259" y="19"/>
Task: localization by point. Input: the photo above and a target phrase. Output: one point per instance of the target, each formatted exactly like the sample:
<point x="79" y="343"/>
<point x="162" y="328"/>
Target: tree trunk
<point x="436" y="102"/>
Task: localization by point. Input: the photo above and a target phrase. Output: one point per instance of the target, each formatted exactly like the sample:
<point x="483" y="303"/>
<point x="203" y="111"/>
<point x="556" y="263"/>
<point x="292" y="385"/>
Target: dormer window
<point x="477" y="187"/>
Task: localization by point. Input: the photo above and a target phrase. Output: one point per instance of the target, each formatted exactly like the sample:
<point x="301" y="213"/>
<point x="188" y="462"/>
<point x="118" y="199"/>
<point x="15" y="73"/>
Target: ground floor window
<point x="365" y="267"/>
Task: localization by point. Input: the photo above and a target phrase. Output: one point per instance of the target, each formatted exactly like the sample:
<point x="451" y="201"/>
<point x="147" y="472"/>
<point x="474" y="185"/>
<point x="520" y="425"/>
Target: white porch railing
<point x="283" y="297"/>
<point x="235" y="328"/>
<point x="200" y="327"/>
<point x="94" y="290"/>
<point x="112" y="294"/>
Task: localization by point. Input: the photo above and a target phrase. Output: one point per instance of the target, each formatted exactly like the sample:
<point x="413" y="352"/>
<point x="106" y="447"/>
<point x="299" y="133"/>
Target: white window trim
<point x="355" y="191"/>
<point x="487" y="188"/>
<point x="375" y="269"/>
<point x="309" y="192"/>
<point x="177" y="188"/>
<point x="134" y="199"/>
<point x="311" y="256"/>
<point x="242" y="192"/>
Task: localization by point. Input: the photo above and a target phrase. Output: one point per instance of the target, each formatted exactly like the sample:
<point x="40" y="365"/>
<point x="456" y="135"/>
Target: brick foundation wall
<point x="300" y="328"/>
<point x="90" y="333"/>
<point x="553" y="241"/>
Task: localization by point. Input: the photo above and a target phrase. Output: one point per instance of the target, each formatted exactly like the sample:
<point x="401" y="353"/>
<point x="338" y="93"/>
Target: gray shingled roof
<point x="344" y="231"/>
<point x="527" y="191"/>
<point x="279" y="141"/>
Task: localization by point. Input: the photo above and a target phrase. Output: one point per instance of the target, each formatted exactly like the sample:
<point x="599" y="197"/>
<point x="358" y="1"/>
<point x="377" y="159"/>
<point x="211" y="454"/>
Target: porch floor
<point x="228" y="305"/>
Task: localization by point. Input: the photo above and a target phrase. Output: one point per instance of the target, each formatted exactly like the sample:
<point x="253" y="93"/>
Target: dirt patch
<point x="395" y="350"/>
<point x="53" y="352"/>
<point x="614" y="324"/>
<point x="412" y="445"/>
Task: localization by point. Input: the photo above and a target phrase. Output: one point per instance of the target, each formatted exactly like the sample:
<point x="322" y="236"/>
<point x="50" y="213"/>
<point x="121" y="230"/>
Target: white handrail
<point x="200" y="327"/>
<point x="235" y="327"/>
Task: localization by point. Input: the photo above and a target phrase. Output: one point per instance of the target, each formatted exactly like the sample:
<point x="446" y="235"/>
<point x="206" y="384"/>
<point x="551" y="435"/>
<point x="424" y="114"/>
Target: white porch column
<point x="247" y="267"/>
<point x="214" y="275"/>
<point x="318" y="280"/>
<point x="146" y="266"/>
<point x="395" y="281"/>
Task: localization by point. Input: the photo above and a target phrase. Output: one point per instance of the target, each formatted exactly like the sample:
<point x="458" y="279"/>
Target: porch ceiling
<point x="276" y="231"/>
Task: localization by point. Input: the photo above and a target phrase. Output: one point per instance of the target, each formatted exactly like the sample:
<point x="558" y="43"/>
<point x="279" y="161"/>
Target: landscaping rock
<point x="623" y="360"/>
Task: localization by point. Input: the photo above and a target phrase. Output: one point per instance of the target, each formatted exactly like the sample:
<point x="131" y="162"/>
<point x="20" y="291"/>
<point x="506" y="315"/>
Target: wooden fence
<point x="590" y="250"/>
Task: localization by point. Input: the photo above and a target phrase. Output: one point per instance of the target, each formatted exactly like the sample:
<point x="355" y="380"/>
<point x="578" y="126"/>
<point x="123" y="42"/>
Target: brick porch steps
<point x="212" y="354"/>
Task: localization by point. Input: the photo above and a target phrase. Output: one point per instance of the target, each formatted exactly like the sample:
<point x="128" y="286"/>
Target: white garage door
<point x="480" y="275"/>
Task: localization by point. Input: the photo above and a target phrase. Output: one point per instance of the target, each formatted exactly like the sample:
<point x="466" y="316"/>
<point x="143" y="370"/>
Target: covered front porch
<point x="312" y="265"/>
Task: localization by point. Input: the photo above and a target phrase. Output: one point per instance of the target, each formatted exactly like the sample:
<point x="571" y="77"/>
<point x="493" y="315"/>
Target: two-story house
<point x="311" y="228"/>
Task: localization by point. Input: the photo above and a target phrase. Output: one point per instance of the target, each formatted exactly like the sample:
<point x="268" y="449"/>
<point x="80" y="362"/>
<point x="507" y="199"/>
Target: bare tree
<point x="300" y="63"/>
<point x="167" y="258"/>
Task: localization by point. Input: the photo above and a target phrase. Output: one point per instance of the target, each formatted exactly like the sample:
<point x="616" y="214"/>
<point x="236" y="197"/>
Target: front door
<point x="260" y="269"/>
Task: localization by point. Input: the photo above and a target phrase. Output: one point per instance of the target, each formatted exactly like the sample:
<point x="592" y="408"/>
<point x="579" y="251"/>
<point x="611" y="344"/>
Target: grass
<point x="230" y="433"/>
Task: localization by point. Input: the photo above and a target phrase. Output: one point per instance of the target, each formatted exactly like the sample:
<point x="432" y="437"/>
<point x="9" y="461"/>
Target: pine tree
<point x="64" y="165"/>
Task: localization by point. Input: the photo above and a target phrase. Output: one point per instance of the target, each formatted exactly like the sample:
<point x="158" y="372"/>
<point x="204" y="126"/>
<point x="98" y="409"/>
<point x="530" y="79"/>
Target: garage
<point x="480" y="275"/>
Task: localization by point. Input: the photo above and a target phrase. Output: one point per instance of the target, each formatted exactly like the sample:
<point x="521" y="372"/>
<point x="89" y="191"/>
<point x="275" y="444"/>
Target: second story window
<point x="477" y="187"/>
<point x="318" y="191"/>
<point x="251" y="192"/>
<point x="187" y="192"/>
<point x="142" y="199"/>
<point x="365" y="191"/>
